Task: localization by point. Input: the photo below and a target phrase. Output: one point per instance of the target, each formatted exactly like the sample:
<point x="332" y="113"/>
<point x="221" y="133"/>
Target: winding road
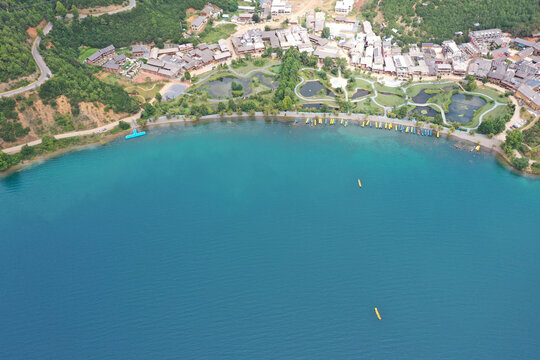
<point x="43" y="68"/>
<point x="46" y="73"/>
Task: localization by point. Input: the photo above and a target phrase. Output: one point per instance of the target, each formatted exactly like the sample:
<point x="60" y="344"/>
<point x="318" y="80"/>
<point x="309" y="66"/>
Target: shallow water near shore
<point x="253" y="240"/>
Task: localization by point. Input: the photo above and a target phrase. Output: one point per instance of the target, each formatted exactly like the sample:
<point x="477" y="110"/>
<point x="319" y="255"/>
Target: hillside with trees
<point x="438" y="20"/>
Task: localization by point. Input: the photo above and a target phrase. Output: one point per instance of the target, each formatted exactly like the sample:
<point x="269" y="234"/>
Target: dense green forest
<point x="151" y="21"/>
<point x="15" y="17"/>
<point x="438" y="20"/>
<point x="10" y="129"/>
<point x="18" y="15"/>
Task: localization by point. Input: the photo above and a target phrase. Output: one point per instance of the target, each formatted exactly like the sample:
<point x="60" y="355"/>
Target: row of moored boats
<point x="376" y="124"/>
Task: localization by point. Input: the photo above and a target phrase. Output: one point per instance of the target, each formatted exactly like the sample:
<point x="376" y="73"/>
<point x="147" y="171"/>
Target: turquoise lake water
<point x="253" y="241"/>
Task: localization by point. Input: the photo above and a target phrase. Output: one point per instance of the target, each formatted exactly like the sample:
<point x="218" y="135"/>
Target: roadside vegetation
<point x="439" y="20"/>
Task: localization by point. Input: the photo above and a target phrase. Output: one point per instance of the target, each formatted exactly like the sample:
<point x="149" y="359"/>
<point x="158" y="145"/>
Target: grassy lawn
<point x="361" y="84"/>
<point x="275" y="69"/>
<point x="218" y="32"/>
<point x="497" y="112"/>
<point x="85" y="53"/>
<point x="368" y="107"/>
<point x="389" y="89"/>
<point x="146" y="91"/>
<point x="415" y="88"/>
<point x="494" y="94"/>
<point x="389" y="100"/>
<point x="250" y="66"/>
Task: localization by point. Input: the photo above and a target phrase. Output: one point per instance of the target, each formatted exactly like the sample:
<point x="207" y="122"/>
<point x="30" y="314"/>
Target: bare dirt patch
<point x="144" y="77"/>
<point x="40" y="117"/>
<point x="32" y="32"/>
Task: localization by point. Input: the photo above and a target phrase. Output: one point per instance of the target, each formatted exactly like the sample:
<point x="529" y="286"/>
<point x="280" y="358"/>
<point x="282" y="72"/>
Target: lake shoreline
<point x="490" y="145"/>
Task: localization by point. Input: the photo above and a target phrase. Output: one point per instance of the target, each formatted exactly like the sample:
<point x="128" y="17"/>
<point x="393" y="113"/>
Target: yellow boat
<point x="377" y="124"/>
<point x="378" y="315"/>
<point x="320" y="121"/>
<point x="390" y="126"/>
<point x="477" y="148"/>
<point x="395" y="128"/>
<point x="359" y="183"/>
<point x="367" y="124"/>
<point x="331" y="121"/>
<point x="386" y="125"/>
<point x="315" y="122"/>
<point x="407" y="129"/>
<point x="307" y="121"/>
<point x="363" y="123"/>
<point x="341" y="122"/>
<point x="437" y="134"/>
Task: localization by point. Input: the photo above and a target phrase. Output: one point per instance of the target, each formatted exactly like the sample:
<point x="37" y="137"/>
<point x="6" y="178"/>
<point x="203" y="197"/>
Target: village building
<point x="522" y="43"/>
<point x="317" y="40"/>
<point x="315" y="21"/>
<point x="529" y="96"/>
<point x="199" y="24"/>
<point x="138" y="51"/>
<point x="523" y="54"/>
<point x="248" y="9"/>
<point x="249" y="42"/>
<point x="211" y="11"/>
<point x="344" y="30"/>
<point x="500" y="52"/>
<point x="223" y="45"/>
<point x="479" y="68"/>
<point x="459" y="67"/>
<point x="322" y="52"/>
<point x="497" y="72"/>
<point x="488" y="36"/>
<point x="344" y="6"/>
<point x="280" y="7"/>
<point x="101" y="55"/>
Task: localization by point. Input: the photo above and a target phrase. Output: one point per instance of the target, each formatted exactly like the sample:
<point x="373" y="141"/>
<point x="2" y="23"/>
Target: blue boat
<point x="430" y="133"/>
<point x="412" y="131"/>
<point x="297" y="120"/>
<point x="135" y="134"/>
<point x="325" y="121"/>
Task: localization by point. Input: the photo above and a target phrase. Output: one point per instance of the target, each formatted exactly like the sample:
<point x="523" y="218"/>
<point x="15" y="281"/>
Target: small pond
<point x="221" y="88"/>
<point x="312" y="88"/>
<point x="360" y="93"/>
<point x="317" y="106"/>
<point x="389" y="93"/>
<point x="463" y="107"/>
<point x="424" y="110"/>
<point x="422" y="97"/>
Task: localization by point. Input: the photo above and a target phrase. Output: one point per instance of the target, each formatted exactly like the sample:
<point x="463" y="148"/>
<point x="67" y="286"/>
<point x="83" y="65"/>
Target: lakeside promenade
<point x="356" y="119"/>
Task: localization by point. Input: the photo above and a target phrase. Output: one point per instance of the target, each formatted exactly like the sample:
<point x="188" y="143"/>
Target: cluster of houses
<point x="268" y="9"/>
<point x="210" y="11"/>
<point x="490" y="55"/>
<point x="175" y="60"/>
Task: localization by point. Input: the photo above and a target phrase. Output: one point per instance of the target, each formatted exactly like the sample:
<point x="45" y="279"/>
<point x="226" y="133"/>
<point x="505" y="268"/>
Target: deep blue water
<point x="253" y="241"/>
